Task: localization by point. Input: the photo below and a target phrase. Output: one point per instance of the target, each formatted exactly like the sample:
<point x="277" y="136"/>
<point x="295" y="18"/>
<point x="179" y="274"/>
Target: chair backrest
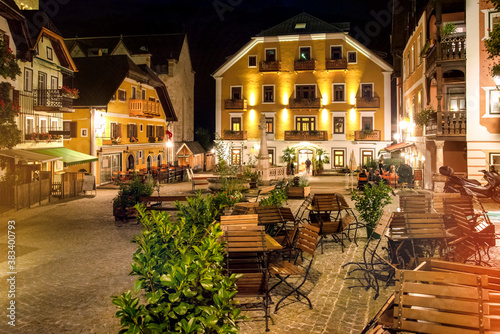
<point x="241" y="238"/>
<point x="245" y="220"/>
<point x="269" y="215"/>
<point x="342" y="201"/>
<point x="438" y="198"/>
<point x="307" y="239"/>
<point x="252" y="285"/>
<point x="415" y="203"/>
<point x="424" y="225"/>
<point x="287" y="214"/>
<point x="303" y="207"/>
<point x="326" y="202"/>
<point x="440" y="302"/>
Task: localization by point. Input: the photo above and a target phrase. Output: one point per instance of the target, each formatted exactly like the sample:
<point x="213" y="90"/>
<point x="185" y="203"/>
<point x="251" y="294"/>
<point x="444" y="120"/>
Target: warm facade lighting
<point x="397" y="136"/>
<point x="352" y="115"/>
<point x="324" y="116"/>
<point x="285" y="99"/>
<point x="252" y="99"/>
<point x="252" y="115"/>
<point x="324" y="100"/>
<point x="352" y="99"/>
<point x="285" y="115"/>
<point x="169" y="143"/>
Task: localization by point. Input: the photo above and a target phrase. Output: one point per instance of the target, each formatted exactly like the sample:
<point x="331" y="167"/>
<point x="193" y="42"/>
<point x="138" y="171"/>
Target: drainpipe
<point x="93" y="169"/>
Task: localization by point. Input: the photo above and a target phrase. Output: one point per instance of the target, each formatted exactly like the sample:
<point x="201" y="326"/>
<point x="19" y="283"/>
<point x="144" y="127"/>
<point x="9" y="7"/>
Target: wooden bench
<point x="196" y="180"/>
<point x="156" y="202"/>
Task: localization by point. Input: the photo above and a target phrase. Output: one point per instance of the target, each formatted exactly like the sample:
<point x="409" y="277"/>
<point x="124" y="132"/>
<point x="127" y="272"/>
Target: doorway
<point x="130" y="162"/>
<point x="149" y="163"/>
<point x="304" y="154"/>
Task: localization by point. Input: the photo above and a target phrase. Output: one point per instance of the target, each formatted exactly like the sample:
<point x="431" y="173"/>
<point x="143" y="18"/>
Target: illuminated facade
<point x="318" y="89"/>
<point x="121" y="116"/>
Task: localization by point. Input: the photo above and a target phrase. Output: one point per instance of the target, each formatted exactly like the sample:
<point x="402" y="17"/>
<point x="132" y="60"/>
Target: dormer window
<point x="95" y="52"/>
<point x="300" y="26"/>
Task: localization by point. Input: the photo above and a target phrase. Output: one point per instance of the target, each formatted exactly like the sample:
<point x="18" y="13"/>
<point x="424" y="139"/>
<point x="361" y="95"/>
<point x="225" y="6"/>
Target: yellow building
<point x="122" y="116"/>
<point x="317" y="87"/>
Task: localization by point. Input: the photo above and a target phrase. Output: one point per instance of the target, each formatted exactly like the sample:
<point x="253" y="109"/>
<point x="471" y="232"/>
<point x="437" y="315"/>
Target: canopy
<point x="28" y="156"/>
<point x="397" y="146"/>
<point x="69" y="157"/>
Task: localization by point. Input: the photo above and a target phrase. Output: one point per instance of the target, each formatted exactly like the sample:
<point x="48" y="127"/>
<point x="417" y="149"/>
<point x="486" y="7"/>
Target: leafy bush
<point x="371" y="201"/>
<point x="224" y="199"/>
<point x="276" y="198"/>
<point x="180" y="275"/>
<point x="300" y="181"/>
<point x="424" y="116"/>
<point x="129" y="193"/>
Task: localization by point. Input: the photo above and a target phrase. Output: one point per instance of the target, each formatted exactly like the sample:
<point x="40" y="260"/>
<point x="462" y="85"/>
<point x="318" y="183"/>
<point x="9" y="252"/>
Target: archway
<point x="304" y="154"/>
<point x="130" y="162"/>
<point x="159" y="160"/>
<point x="149" y="163"/>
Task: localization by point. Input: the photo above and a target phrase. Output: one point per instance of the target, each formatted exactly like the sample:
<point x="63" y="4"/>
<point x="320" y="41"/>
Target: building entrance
<point x="304" y="154"/>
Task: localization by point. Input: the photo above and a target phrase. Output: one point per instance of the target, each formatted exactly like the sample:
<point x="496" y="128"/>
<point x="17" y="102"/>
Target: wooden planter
<point x="300" y="192"/>
<point x="128" y="213"/>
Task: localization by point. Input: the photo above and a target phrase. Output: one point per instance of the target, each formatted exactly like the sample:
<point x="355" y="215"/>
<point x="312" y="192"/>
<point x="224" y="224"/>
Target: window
<point x="115" y="130"/>
<point x="84" y="132"/>
<point x="366" y="123"/>
<point x="491" y="21"/>
<point x="43" y="125"/>
<point x="339" y="92"/>
<point x="141" y="127"/>
<point x="30" y="125"/>
<point x="69" y="127"/>
<point x="235" y="123"/>
<point x="338" y="158"/>
<point x="366" y="90"/>
<point x="134" y="93"/>
<point x="335" y="52"/>
<point x="235" y="157"/>
<point x="419" y="48"/>
<point x="494" y="102"/>
<point x="407" y="69"/>
<point x="160" y="131"/>
<point x="366" y="157"/>
<point x="42" y="80"/>
<point x="352" y="57"/>
<point x="305" y="53"/>
<point x="271" y="151"/>
<point x="54" y="124"/>
<point x="49" y="53"/>
<point x="268" y="94"/>
<point x="143" y="94"/>
<point x="54" y="82"/>
<point x="305" y="124"/>
<point x="456" y="98"/>
<point x="236" y="93"/>
<point x="150" y="131"/>
<point x="305" y="91"/>
<point x="495" y="160"/>
<point x="122" y="95"/>
<point x="412" y="54"/>
<point x="132" y="131"/>
<point x="270" y="54"/>
<point x="338" y="125"/>
<point x="269" y="125"/>
<point x="252" y="61"/>
<point x="28" y="79"/>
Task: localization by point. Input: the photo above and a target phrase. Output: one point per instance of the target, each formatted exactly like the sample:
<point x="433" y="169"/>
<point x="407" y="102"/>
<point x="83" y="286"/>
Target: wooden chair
<point x="270" y="217"/>
<point x="254" y="285"/>
<point x="374" y="266"/>
<point x="246" y="248"/>
<point x="337" y="229"/>
<point x="437" y="200"/>
<point x="239" y="220"/>
<point x="415" y="203"/>
<point x="301" y="212"/>
<point x="307" y="240"/>
<point x="195" y="180"/>
<point x="344" y="206"/>
<point x="442" y="302"/>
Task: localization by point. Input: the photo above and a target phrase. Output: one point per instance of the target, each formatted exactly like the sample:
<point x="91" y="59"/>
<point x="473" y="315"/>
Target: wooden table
<point x="272" y="244"/>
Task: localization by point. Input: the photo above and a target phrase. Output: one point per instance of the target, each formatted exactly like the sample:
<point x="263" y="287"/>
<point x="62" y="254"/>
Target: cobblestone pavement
<point x="72" y="257"/>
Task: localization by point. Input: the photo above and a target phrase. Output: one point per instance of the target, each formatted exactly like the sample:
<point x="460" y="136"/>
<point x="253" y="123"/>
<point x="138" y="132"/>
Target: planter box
<point x="300" y="192"/>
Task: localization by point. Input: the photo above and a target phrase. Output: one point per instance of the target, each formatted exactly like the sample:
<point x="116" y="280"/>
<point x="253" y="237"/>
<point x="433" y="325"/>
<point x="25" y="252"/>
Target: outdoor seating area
<point x="163" y="174"/>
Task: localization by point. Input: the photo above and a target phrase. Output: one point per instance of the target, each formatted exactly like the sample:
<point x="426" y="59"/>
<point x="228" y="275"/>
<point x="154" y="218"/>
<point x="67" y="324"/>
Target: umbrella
<point x="352" y="166"/>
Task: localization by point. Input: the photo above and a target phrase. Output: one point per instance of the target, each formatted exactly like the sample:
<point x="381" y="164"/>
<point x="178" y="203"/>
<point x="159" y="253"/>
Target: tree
<point x="10" y="135"/>
<point x="492" y="44"/>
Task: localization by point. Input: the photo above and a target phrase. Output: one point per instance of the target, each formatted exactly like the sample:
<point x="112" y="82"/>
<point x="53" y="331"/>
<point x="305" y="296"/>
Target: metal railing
<point x="51" y="100"/>
<point x="305" y="103"/>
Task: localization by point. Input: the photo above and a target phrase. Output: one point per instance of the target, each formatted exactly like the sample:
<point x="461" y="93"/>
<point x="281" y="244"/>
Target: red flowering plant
<point x="72" y="93"/>
<point x="223" y="199"/>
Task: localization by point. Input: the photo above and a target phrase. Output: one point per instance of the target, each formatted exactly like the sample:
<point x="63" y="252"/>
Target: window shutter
<point x="135" y="130"/>
<point x="72" y="129"/>
<point x="15" y="98"/>
<point x="118" y="130"/>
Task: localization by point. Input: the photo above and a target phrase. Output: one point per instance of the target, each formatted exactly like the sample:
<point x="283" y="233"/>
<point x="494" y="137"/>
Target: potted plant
<point x="424" y="116"/>
<point x="128" y="197"/>
<point x="320" y="159"/>
<point x="71" y="93"/>
<point x="289" y="158"/>
<point x="448" y="29"/>
<point x="370" y="204"/>
<point x="425" y="48"/>
<point x="300" y="187"/>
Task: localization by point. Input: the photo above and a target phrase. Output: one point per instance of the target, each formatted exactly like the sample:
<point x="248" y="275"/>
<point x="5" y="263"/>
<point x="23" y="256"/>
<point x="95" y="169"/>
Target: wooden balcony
<point x="52" y="100"/>
<point x="306" y="135"/>
<point x="447" y="124"/>
<point x="373" y="135"/>
<point x="368" y="102"/>
<point x="235" y="104"/>
<point x="453" y="48"/>
<point x="305" y="103"/>
<point x="305" y="65"/>
<point x="270" y="66"/>
<point x="235" y="135"/>
<point x="336" y="64"/>
<point x="143" y="108"/>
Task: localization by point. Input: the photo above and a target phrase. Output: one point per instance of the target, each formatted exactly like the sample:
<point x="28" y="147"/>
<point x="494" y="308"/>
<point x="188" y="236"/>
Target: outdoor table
<point x="322" y="206"/>
<point x="425" y="232"/>
<point x="272" y="244"/>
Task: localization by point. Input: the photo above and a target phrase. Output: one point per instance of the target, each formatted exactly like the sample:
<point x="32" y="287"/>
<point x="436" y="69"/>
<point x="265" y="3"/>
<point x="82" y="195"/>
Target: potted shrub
<point x="289" y="158"/>
<point x="299" y="188"/>
<point x="320" y="159"/>
<point x="128" y="197"/>
<point x="370" y="204"/>
<point x="424" y="116"/>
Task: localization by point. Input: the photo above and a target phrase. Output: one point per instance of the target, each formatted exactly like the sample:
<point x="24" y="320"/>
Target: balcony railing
<point x="44" y="136"/>
<point x="305" y="103"/>
<point x="336" y="64"/>
<point x="52" y="100"/>
<point x="143" y="108"/>
<point x="305" y="65"/>
<point x="306" y="135"/>
<point x="270" y="66"/>
<point x="373" y="135"/>
<point x="235" y="104"/>
<point x="452" y="48"/>
<point x="449" y="123"/>
<point x="368" y="102"/>
<point x="235" y="135"/>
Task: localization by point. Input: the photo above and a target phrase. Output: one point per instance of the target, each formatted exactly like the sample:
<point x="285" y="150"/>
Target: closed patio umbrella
<point x="352" y="166"/>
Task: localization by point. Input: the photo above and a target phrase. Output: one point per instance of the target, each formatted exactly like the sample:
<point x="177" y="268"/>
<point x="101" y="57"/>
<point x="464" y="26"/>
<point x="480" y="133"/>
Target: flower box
<point x="298" y="192"/>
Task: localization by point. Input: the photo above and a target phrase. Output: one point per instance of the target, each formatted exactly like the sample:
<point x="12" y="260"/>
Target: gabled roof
<point x="162" y="47"/>
<point x="99" y="78"/>
<point x="313" y="25"/>
<point x="193" y="146"/>
<point x="18" y="27"/>
<point x="60" y="49"/>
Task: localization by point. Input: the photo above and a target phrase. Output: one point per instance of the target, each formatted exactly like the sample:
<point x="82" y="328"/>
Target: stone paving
<point x="71" y="257"/>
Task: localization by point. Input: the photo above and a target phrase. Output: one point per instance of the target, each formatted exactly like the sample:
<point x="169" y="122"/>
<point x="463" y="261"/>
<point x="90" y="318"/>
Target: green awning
<point x="69" y="157"/>
<point x="28" y="156"/>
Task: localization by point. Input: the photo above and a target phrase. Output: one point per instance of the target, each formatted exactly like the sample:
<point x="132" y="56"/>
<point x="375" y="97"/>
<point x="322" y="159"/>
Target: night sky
<point x="213" y="34"/>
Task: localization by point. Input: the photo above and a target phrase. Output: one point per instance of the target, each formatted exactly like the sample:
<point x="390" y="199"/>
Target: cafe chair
<point x="374" y="266"/>
<point x="337" y="229"/>
<point x="253" y="286"/>
<point x="295" y="269"/>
